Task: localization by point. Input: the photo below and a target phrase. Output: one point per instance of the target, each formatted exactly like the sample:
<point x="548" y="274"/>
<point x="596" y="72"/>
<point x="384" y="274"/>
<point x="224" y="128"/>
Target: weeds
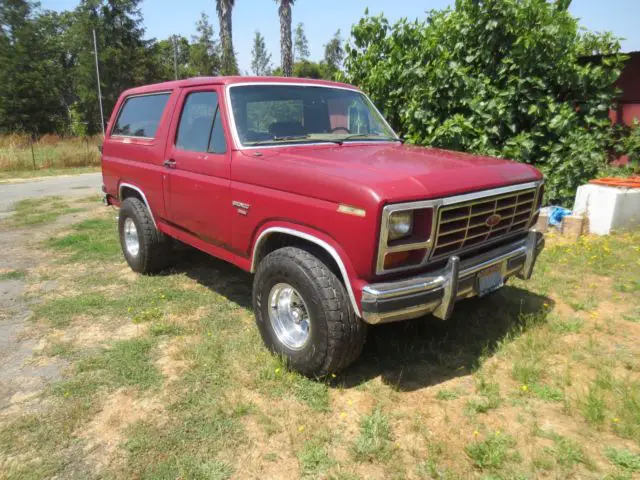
<point x="31" y="212"/>
<point x="314" y="459"/>
<point x="567" y="452"/>
<point x="593" y="406"/>
<point x="492" y="452"/>
<point x="489" y="400"/>
<point x="128" y="362"/>
<point x="445" y="394"/>
<point x="374" y="441"/>
<point x="90" y="240"/>
<point x="624" y="459"/>
<point x="19" y="153"/>
<point x="13" y="275"/>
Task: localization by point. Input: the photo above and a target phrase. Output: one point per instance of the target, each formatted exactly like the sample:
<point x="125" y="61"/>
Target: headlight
<point x="400" y="224"/>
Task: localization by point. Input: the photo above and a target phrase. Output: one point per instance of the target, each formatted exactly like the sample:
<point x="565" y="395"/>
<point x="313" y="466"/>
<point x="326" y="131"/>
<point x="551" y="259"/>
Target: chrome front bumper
<point x="437" y="292"/>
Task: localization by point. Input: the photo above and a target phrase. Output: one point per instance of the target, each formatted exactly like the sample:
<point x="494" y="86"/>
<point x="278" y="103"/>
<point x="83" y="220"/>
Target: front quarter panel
<point x="252" y="186"/>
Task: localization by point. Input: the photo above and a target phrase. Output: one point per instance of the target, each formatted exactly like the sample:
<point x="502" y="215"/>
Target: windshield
<point x="278" y="114"/>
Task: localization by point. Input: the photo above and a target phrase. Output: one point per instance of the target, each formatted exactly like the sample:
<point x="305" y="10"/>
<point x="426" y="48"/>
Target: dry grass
<point x="541" y="380"/>
<point x="19" y="153"/>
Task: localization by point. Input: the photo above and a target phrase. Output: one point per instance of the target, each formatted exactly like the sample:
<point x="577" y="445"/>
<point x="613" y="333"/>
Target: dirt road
<point x="22" y="375"/>
<point x="64" y="185"/>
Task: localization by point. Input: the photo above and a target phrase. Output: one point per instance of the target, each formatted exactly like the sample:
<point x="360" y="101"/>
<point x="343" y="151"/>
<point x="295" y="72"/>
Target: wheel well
<point x="278" y="240"/>
<point x="128" y="192"/>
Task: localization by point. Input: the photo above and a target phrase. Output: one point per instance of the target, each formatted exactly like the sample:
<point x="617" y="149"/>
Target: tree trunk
<point x="229" y="66"/>
<point x="286" y="55"/>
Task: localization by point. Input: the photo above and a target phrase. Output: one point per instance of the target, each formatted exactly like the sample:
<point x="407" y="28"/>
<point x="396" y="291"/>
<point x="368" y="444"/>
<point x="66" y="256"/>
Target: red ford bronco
<point x="304" y="183"/>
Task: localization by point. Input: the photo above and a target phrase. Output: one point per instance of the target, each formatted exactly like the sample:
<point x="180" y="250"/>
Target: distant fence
<point x="22" y="152"/>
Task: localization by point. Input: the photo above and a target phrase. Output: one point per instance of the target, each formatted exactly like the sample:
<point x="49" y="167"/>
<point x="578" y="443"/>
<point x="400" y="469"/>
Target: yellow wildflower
<point x="524" y="388"/>
<point x="301" y="428"/>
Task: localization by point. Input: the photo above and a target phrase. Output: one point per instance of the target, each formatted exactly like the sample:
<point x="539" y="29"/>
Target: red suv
<point x="304" y="183"/>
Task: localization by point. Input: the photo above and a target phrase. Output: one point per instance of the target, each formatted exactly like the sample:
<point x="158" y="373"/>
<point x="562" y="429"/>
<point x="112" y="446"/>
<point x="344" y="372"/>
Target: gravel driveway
<point x="64" y="185"/>
<point x="21" y="375"/>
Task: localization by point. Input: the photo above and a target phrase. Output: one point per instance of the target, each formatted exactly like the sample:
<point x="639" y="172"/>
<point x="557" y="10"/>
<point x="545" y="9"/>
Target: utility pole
<point x="95" y="51"/>
<point x="175" y="57"/>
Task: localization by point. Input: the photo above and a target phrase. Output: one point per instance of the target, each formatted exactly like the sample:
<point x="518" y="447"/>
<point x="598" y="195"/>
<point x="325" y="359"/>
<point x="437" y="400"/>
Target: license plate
<point x="490" y="280"/>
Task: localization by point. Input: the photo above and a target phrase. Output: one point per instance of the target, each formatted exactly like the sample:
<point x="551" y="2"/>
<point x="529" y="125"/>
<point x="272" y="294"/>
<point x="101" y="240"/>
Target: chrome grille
<point x="466" y="225"/>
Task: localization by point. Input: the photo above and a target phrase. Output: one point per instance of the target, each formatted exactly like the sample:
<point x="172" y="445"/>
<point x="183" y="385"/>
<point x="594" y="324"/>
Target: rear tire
<point x="304" y="313"/>
<point x="145" y="249"/>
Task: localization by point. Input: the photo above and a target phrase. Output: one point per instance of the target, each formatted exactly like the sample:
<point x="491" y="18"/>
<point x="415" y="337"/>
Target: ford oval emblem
<point x="493" y="220"/>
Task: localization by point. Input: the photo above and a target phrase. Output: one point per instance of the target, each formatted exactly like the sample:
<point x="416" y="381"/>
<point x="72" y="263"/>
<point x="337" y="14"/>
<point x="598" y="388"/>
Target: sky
<point x="321" y="19"/>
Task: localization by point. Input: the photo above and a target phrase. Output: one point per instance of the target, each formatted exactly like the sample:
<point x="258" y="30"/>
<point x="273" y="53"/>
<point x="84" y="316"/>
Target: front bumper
<point x="437" y="292"/>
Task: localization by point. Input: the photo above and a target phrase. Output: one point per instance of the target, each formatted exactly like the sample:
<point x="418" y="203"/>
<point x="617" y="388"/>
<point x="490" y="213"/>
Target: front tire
<point x="145" y="249"/>
<point x="303" y="312"/>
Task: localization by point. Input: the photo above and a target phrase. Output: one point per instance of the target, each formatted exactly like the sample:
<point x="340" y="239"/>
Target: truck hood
<point x="392" y="172"/>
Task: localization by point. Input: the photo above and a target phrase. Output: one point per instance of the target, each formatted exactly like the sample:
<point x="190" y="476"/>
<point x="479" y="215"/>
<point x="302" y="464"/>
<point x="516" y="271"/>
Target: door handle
<point x="171" y="163"/>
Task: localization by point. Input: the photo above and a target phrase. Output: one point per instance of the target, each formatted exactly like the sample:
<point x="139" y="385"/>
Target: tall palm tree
<point x="286" y="53"/>
<point x="229" y="65"/>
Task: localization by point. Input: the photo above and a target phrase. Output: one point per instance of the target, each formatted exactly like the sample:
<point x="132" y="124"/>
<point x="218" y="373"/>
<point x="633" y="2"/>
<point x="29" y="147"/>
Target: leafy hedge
<point x="501" y="77"/>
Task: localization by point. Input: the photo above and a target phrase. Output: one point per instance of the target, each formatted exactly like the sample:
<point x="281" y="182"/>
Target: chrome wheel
<point x="289" y="316"/>
<point x="131" y="241"/>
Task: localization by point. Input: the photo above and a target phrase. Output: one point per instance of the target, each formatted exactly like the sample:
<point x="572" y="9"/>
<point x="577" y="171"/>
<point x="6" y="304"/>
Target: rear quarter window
<point x="140" y="116"/>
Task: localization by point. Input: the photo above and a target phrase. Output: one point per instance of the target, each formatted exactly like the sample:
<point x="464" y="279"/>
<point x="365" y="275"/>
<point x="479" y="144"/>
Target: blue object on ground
<point x="556" y="214"/>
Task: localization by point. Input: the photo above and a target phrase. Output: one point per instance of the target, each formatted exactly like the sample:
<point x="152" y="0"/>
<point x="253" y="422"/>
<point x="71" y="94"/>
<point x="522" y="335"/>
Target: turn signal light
<point x="393" y="260"/>
<point x="403" y="259"/>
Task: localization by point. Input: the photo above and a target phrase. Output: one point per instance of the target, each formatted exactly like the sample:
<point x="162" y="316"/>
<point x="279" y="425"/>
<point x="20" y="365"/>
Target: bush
<point x="629" y="143"/>
<point x="499" y="77"/>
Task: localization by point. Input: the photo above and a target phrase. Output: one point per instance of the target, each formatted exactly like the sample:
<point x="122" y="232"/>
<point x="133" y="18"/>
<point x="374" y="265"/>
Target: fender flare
<point x="311" y="238"/>
<point x="144" y="198"/>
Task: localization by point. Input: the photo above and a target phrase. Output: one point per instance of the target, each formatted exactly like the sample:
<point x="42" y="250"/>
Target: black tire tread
<point x="155" y="247"/>
<point x="346" y="332"/>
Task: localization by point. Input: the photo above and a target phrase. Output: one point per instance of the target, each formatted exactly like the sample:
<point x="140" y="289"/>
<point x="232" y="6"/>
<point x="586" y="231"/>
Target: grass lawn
<point x="167" y="376"/>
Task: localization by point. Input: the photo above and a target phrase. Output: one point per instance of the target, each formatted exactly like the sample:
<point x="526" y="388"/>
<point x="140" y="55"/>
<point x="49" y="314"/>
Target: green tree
<point x="334" y="54"/>
<point x="229" y="65"/>
<point x="286" y="52"/>
<point x="260" y="58"/>
<point x="307" y="69"/>
<point x="205" y="51"/>
<point x="163" y="66"/>
<point x="32" y="66"/>
<point x="123" y="54"/>
<point x="495" y="77"/>
<point x="300" y="44"/>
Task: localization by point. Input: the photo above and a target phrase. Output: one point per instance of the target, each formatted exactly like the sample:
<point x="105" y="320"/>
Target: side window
<point x="140" y="116"/>
<point x="200" y="128"/>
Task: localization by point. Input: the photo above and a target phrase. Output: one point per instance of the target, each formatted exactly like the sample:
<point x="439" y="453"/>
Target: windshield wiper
<point x="377" y="138"/>
<point x="286" y="138"/>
